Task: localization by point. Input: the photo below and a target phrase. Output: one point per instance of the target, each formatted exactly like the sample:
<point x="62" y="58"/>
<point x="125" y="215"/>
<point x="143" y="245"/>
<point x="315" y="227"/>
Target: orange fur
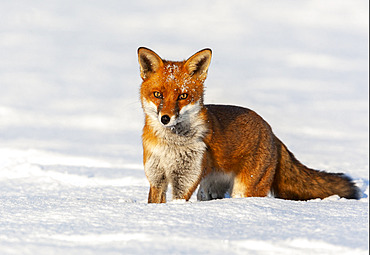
<point x="225" y="149"/>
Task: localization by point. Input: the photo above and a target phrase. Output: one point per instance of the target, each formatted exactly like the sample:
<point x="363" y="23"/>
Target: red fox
<point x="226" y="150"/>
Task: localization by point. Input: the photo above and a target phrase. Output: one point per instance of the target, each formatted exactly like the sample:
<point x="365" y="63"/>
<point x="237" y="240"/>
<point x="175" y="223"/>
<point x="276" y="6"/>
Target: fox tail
<point x="295" y="181"/>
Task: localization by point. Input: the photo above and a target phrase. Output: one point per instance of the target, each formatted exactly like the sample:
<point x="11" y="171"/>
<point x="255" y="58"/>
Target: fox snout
<point x="168" y="120"/>
<point x="165" y="119"/>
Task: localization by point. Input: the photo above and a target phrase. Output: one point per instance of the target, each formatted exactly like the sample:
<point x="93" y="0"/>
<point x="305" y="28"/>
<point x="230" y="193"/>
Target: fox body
<point x="223" y="149"/>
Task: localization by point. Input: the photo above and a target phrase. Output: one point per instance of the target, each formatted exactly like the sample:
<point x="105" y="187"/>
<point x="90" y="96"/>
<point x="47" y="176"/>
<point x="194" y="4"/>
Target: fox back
<point x="226" y="150"/>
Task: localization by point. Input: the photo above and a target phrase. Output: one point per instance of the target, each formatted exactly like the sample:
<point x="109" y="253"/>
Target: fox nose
<point x="165" y="119"/>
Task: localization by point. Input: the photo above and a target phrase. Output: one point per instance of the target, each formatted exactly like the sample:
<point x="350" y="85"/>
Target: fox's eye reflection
<point x="158" y="94"/>
<point x="183" y="96"/>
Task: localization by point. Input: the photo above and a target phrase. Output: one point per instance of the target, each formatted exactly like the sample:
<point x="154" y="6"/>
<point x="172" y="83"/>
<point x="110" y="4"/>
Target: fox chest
<point x="166" y="161"/>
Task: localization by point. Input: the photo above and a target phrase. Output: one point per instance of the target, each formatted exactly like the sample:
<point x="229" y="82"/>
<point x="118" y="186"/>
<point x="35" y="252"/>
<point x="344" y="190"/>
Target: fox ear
<point x="197" y="65"/>
<point x="149" y="62"/>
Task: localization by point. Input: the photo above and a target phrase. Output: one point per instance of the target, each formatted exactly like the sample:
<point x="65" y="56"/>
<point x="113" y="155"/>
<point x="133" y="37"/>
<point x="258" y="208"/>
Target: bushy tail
<point x="295" y="181"/>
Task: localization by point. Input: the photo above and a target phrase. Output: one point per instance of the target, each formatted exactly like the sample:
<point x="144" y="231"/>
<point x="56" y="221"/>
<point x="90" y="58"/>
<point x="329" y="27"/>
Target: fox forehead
<point x="172" y="79"/>
<point x="175" y="78"/>
<point x="172" y="69"/>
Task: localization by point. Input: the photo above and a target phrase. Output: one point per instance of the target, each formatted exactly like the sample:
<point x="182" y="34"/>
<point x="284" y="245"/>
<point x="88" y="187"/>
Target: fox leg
<point x="157" y="191"/>
<point x="156" y="195"/>
<point x="184" y="182"/>
<point x="186" y="176"/>
<point x="215" y="185"/>
<point x="158" y="186"/>
<point x="183" y="187"/>
<point x="255" y="183"/>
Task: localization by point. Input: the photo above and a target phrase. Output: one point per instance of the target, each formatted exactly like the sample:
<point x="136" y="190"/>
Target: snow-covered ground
<point x="71" y="175"/>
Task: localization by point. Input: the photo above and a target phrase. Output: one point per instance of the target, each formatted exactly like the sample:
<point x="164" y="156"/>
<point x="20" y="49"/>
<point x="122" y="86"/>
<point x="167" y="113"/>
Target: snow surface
<point x="71" y="175"/>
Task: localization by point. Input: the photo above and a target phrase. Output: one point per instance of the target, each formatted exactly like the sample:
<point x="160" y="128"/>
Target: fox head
<point x="172" y="92"/>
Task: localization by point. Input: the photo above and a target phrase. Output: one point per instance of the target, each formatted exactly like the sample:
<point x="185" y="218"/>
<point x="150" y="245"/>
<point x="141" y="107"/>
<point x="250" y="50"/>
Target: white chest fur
<point x="178" y="165"/>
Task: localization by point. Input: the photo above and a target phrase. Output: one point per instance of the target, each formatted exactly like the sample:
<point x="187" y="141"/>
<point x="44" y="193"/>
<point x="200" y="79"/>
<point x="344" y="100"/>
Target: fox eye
<point x="183" y="96"/>
<point x="158" y="94"/>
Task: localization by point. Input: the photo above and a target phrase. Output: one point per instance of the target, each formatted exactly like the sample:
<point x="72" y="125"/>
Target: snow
<point x="71" y="175"/>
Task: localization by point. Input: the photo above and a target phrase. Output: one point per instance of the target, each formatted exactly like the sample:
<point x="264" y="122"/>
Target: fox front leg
<point x="158" y="184"/>
<point x="184" y="184"/>
<point x="156" y="195"/>
<point x="187" y="174"/>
